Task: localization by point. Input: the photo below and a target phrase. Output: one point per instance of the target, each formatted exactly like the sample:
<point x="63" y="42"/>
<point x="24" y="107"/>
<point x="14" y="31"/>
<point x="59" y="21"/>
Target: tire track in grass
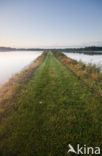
<point x="54" y="109"/>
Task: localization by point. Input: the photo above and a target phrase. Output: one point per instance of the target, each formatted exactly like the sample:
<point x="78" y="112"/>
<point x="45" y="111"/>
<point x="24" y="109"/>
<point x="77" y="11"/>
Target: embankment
<point x="51" y="110"/>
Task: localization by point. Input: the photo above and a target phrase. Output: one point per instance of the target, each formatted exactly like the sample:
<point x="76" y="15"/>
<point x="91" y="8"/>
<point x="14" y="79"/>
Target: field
<point x="47" y="108"/>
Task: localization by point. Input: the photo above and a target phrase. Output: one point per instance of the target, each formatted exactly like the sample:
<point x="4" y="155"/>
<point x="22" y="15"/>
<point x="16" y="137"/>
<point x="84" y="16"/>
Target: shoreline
<point x="10" y="88"/>
<point x="48" y="106"/>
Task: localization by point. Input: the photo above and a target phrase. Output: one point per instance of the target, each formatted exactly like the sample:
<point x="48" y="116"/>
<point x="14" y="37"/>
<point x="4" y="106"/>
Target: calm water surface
<point x="93" y="59"/>
<point x="13" y="62"/>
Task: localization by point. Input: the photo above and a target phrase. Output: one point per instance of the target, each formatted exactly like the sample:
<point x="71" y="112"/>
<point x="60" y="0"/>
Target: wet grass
<point x="51" y="110"/>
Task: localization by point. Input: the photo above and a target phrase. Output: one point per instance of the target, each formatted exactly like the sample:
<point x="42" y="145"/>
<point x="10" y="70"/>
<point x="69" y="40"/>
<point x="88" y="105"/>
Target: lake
<point x="13" y="62"/>
<point x="93" y="59"/>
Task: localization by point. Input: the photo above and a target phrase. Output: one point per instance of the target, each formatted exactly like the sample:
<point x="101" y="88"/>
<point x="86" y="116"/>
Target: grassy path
<point x="52" y="110"/>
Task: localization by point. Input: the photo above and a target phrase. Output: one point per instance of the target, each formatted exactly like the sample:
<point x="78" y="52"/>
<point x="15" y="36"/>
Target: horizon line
<point x="51" y="47"/>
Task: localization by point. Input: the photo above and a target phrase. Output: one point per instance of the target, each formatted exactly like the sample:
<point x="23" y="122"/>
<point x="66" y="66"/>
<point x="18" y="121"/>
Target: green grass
<point x="90" y="74"/>
<point x="52" y="110"/>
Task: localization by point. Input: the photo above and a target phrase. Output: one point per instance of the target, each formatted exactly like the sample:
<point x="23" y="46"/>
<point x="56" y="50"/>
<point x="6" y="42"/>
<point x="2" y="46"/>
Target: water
<point x="13" y="62"/>
<point x="87" y="59"/>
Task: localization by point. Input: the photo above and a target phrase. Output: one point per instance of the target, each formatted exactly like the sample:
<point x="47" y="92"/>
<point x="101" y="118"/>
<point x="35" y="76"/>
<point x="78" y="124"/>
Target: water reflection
<point x="13" y="62"/>
<point x="93" y="59"/>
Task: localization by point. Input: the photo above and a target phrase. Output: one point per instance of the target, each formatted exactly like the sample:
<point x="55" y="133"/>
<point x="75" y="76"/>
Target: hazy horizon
<point x="52" y="47"/>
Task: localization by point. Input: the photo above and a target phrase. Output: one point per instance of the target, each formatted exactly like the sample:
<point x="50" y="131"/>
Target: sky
<point x="50" y="23"/>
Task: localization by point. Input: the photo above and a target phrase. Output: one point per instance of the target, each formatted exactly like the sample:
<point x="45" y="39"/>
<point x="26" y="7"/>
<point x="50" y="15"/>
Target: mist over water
<point x="93" y="59"/>
<point x="13" y="62"/>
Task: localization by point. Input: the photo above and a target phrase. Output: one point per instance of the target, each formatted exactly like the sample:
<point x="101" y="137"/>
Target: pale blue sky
<point x="50" y="23"/>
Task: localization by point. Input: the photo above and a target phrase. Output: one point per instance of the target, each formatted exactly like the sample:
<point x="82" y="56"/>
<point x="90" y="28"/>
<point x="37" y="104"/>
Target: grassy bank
<point x="52" y="109"/>
<point x="10" y="90"/>
<point x="89" y="74"/>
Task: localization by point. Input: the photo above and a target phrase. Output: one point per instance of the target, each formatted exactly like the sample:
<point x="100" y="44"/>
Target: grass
<point x="90" y="74"/>
<point x="52" y="109"/>
<point x="10" y="90"/>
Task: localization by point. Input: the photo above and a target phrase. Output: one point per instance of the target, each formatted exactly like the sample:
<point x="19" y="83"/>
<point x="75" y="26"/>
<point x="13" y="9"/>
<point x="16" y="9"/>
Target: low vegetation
<point x="90" y="74"/>
<point x="10" y="89"/>
<point x="51" y="109"/>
